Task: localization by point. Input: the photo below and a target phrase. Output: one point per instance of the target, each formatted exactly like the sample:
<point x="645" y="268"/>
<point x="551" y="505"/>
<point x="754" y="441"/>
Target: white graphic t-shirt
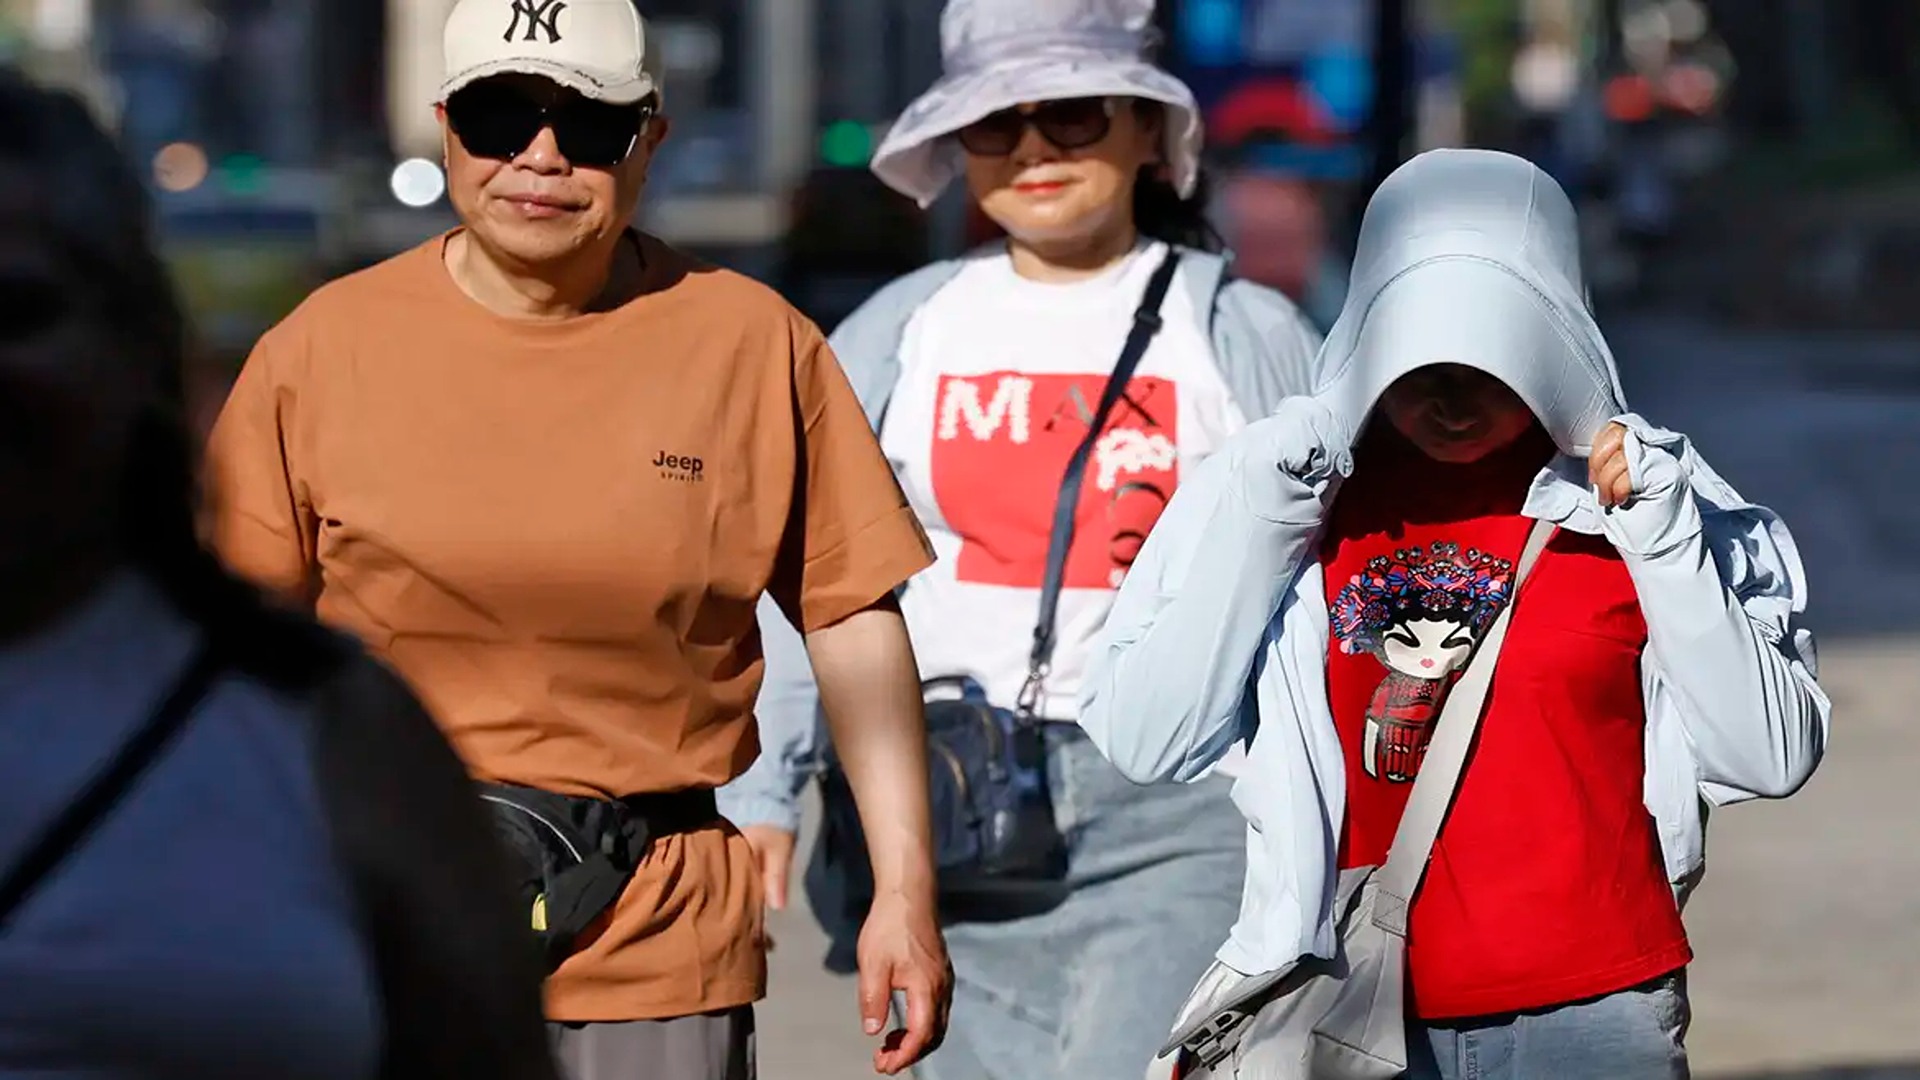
<point x="1000" y="376"/>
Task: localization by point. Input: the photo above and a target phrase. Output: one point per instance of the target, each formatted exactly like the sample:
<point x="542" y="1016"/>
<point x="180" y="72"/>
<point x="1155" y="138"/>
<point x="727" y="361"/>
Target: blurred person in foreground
<point x="546" y="465"/>
<point x="296" y="882"/>
<point x="1316" y="592"/>
<point x="983" y="376"/>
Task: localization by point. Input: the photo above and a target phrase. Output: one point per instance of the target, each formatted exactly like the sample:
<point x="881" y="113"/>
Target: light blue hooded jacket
<point x="1264" y="348"/>
<point x="1220" y="632"/>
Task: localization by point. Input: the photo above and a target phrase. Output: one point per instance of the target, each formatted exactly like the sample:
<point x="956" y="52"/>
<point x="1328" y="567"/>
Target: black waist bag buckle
<point x="573" y="856"/>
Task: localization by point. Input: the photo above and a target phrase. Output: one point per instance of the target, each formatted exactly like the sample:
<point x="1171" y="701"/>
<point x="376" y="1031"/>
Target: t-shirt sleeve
<point x="259" y="519"/>
<point x="851" y="538"/>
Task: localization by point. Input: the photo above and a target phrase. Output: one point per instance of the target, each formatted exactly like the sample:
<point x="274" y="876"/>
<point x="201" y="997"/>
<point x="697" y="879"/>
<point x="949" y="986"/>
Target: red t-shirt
<point x="1546" y="885"/>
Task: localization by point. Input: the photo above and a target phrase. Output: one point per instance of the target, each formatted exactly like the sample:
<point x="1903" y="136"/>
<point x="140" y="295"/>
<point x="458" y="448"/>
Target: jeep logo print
<point x="679" y="467"/>
<point x="541" y="16"/>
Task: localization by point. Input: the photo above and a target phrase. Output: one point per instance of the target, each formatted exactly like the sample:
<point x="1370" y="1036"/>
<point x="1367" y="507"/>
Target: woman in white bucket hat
<point x="982" y="376"/>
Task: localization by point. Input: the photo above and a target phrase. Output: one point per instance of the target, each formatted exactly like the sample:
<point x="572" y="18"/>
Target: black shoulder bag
<point x="70" y="830"/>
<point x="993" y="824"/>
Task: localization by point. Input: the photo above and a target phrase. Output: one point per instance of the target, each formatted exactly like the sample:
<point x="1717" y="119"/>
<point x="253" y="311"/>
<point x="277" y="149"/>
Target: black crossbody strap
<point x="67" y="832"/>
<point x="1146" y="323"/>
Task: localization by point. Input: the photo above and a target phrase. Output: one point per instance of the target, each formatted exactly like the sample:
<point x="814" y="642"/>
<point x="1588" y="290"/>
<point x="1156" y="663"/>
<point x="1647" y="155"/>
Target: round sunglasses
<point x="1069" y="124"/>
<point x="498" y="121"/>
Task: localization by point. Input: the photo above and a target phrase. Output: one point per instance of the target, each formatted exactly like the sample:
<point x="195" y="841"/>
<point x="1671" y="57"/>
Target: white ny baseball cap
<point x="596" y="47"/>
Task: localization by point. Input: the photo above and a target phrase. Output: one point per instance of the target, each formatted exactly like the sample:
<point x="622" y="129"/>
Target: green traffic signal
<point x="846" y="144"/>
<point x="243" y="174"/>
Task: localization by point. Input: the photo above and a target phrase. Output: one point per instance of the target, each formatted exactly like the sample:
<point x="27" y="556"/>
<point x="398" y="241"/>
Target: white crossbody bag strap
<point x="1446" y="759"/>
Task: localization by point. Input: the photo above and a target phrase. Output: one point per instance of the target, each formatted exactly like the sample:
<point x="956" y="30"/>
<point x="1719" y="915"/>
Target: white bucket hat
<point x="1000" y="53"/>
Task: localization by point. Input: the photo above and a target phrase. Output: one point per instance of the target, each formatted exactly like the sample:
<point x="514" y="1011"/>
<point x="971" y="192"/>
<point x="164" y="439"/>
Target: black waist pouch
<point x="574" y="855"/>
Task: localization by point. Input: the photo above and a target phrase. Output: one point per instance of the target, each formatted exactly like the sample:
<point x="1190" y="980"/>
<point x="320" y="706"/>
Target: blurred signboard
<point x="704" y="46"/>
<point x="243" y="259"/>
<point x="1285" y="85"/>
<point x="415" y="67"/>
<point x="235" y="291"/>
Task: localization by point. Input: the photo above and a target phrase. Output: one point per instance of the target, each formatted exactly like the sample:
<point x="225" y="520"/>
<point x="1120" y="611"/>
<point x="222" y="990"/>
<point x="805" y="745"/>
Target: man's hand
<point x="901" y="950"/>
<point x="1607" y="467"/>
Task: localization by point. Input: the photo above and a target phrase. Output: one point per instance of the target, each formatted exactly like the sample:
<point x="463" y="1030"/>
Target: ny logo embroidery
<point x="542" y="16"/>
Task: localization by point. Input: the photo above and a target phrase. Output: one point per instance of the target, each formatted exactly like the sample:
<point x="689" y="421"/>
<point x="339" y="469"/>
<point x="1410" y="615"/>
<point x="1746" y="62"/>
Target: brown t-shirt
<point x="557" y="533"/>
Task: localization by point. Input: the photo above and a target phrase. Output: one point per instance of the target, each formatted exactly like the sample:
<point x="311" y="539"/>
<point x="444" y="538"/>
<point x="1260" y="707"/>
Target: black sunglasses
<point x="499" y="121"/>
<point x="1070" y="124"/>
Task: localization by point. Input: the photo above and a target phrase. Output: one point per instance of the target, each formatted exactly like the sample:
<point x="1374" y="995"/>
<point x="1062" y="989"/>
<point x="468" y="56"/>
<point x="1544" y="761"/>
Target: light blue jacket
<point x="1265" y="350"/>
<point x="1220" y="632"/>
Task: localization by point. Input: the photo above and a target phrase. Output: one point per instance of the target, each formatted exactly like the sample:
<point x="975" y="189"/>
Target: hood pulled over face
<point x="1472" y="258"/>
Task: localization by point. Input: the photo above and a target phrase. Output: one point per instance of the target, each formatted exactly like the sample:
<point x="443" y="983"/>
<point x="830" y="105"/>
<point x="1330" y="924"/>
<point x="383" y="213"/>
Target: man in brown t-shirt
<point x="546" y="466"/>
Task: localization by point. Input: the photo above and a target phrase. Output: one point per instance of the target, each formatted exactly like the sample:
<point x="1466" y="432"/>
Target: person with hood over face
<point x="982" y="375"/>
<point x="1314" y="590"/>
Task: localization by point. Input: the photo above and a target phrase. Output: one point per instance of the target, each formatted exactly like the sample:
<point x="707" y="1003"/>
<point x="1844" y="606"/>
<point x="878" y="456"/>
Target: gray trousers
<point x="715" y="1046"/>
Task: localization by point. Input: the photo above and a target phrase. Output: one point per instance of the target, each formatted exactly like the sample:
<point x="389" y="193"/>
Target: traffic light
<point x="243" y="174"/>
<point x="846" y="144"/>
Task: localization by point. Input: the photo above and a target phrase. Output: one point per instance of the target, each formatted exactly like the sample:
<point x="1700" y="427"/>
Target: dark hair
<point x="98" y="213"/>
<point x="1158" y="210"/>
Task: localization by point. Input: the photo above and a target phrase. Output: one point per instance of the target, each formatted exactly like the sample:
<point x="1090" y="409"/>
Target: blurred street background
<point x="1749" y="177"/>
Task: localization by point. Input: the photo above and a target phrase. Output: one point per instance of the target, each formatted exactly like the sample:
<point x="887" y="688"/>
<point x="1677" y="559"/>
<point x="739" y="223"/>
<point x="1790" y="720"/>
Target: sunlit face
<point x="1455" y="413"/>
<point x="69" y="395"/>
<point x="1426" y="648"/>
<point x="536" y="207"/>
<point x="1041" y="193"/>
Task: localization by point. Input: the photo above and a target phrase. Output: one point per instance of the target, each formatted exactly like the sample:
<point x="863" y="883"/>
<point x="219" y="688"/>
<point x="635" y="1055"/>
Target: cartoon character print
<point x="1419" y="612"/>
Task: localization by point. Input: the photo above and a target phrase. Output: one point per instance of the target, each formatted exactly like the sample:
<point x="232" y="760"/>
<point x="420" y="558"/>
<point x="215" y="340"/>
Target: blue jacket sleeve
<point x="1721" y="589"/>
<point x="1164" y="696"/>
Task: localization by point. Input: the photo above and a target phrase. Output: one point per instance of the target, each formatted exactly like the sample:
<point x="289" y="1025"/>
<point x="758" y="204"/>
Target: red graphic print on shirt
<point x="1001" y="442"/>
<point x="1546" y="884"/>
<point x="1418" y="612"/>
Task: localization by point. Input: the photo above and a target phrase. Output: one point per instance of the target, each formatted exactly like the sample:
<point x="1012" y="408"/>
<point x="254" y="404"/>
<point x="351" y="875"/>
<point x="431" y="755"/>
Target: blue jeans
<point x="1090" y="988"/>
<point x="1638" y="1033"/>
